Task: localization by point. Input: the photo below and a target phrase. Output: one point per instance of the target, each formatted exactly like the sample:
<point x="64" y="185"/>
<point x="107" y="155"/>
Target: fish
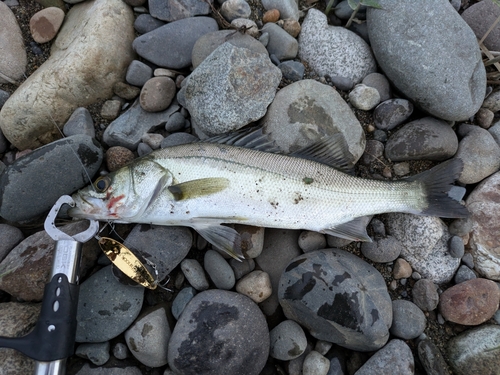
<point x="242" y="179"/>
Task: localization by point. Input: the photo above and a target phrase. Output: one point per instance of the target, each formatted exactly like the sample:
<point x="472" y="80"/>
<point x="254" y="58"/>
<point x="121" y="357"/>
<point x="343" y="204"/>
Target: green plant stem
<point x="352" y="15"/>
<point x="329" y="7"/>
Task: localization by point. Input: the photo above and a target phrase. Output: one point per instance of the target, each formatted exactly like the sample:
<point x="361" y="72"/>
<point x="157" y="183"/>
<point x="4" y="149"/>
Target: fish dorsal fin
<point x="330" y="150"/>
<point x="222" y="237"/>
<point x="354" y="230"/>
<point x="253" y="138"/>
<point x="198" y="188"/>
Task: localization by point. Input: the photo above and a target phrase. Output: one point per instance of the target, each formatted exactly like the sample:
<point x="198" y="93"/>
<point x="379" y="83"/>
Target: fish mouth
<point x="88" y="208"/>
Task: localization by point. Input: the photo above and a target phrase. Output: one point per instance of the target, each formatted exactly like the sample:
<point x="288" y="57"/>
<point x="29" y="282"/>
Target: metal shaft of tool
<point x="66" y="261"/>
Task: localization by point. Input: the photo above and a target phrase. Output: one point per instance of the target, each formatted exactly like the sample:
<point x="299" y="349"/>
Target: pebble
<point x="147" y="339"/>
<point x="219" y="270"/>
<point x="470" y="303"/>
<point x="120" y="351"/>
<point x="408" y="321"/>
<point x="468" y="260"/>
<point x="80" y="122"/>
<point x="138" y="73"/>
<point x="287" y="8"/>
<point x="126" y="91"/>
<point x="338" y="297"/>
<point x="288" y="341"/>
<point x="292" y="27"/>
<point x="315" y="364"/>
<point x="464" y="273"/>
<point x="256" y="285"/>
<point x="178" y="9"/>
<point x="364" y="97"/>
<point x="271" y="15"/>
<point x="281" y="44"/>
<point x="457" y="248"/>
<point x="108" y="370"/>
<point x="10" y="237"/>
<point x="380" y="82"/>
<point x="391" y="113"/>
<point x="143" y="149"/>
<point x="194" y="273"/>
<point x="252" y="240"/>
<point x="321" y="44"/>
<point x="340" y="82"/>
<point x="396" y="47"/>
<point x="97" y="353"/>
<point x="180" y="302"/>
<point x="492" y="102"/>
<point x="4" y="95"/>
<point x="323" y="347"/>
<point x="425" y="295"/>
<point x="480" y="17"/>
<point x="233" y="9"/>
<point x="117" y="157"/>
<point x="111" y="109"/>
<point x="231" y="336"/>
<point x="402" y="269"/>
<point x="157" y="94"/>
<point x="14" y="58"/>
<point x="153" y="140"/>
<point x="250" y="27"/>
<point x="484" y="117"/>
<point x="242" y="268"/>
<point x="431" y="358"/>
<point x="394" y="358"/>
<point x="310" y="241"/>
<point x="144" y="23"/>
<point x="383" y="250"/>
<point x="374" y="152"/>
<point x="292" y="70"/>
<point x="45" y="24"/>
<point x="175" y="122"/>
<point x="178" y="139"/>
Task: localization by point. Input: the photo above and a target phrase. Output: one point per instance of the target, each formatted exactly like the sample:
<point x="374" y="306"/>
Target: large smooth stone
<point x="411" y="40"/>
<point x="91" y="53"/>
<point x="339" y="298"/>
<point x="14" y="59"/>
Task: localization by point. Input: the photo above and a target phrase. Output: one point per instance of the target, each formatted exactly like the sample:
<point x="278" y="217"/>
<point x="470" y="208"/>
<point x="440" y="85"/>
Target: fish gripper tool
<point x="52" y="340"/>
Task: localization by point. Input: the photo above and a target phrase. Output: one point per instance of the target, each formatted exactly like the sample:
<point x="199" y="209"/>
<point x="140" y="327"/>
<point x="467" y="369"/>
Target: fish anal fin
<point x="198" y="188"/>
<point x="222" y="237"/>
<point x="354" y="230"/>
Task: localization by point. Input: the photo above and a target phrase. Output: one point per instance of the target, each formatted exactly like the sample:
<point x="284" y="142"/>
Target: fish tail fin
<point x="437" y="183"/>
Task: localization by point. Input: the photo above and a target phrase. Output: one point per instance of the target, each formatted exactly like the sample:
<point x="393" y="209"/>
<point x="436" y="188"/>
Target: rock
<point x="194" y="273"/>
<point x="144" y="23"/>
<point x="426" y="138"/>
<point x="492" y="102"/>
<point x="431" y="358"/>
<point x="26" y="269"/>
<point x="475" y="351"/>
<point x="45" y="24"/>
<point x="242" y="268"/>
<point x="364" y="97"/>
<point x="117" y="157"/>
<point x="14" y="59"/>
<point x="287" y="8"/>
<point x="245" y="26"/>
<point x="315" y="364"/>
<point x="408" y="321"/>
<point x="28" y="187"/>
<point x="338" y="297"/>
<point x="88" y="57"/>
<point x="380" y="82"/>
<point x="424" y="241"/>
<point x="457" y="248"/>
<point x="281" y="44"/>
<point x="402" y="269"/>
<point x="233" y="9"/>
<point x="391" y="113"/>
<point x="480" y="17"/>
<point x="288" y="341"/>
<point x="271" y="15"/>
<point x="231" y="88"/>
<point x="479" y="152"/>
<point x="97" y="353"/>
<point x="175" y="122"/>
<point x="394" y="358"/>
<point x="484" y="117"/>
<point x="425" y="295"/>
<point x="292" y="70"/>
<point x="17" y="320"/>
<point x="464" y="273"/>
<point x="374" y="151"/>
<point x="252" y="240"/>
<point x="470" y="303"/>
<point x="157" y="94"/>
<point x="178" y="9"/>
<point x="256" y="285"/>
<point x="106" y="308"/>
<point x="305" y="111"/>
<point x="80" y="122"/>
<point x="407" y="52"/>
<point x="219" y="332"/>
<point x="128" y="129"/>
<point x="292" y="27"/>
<point x="181" y="300"/>
<point x="10" y="237"/>
<point x="109" y="370"/>
<point x="331" y="50"/>
<point x="170" y="46"/>
<point x="120" y="351"/>
<point x="147" y="339"/>
<point x="152" y="140"/>
<point x="126" y="91"/>
<point x="219" y="270"/>
<point x="111" y="109"/>
<point x="178" y="139"/>
<point x="138" y="73"/>
<point x="310" y="241"/>
<point x="383" y="250"/>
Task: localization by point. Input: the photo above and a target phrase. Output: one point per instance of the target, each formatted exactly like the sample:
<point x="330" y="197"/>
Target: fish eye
<point x="102" y="184"/>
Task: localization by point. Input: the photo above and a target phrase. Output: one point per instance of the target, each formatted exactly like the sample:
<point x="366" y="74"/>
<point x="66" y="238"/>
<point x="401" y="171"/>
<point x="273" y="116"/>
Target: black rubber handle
<point x="53" y="337"/>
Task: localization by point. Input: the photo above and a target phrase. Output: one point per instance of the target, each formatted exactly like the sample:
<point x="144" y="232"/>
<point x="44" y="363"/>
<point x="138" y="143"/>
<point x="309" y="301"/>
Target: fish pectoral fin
<point x="354" y="230"/>
<point x="222" y="237"/>
<point x="198" y="188"/>
<point x="158" y="189"/>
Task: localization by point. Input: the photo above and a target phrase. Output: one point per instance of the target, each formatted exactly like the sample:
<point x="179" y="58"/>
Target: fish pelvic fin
<point x="222" y="237"/>
<point x="437" y="183"/>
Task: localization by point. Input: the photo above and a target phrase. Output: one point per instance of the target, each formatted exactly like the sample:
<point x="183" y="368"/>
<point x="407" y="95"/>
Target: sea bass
<point x="203" y="185"/>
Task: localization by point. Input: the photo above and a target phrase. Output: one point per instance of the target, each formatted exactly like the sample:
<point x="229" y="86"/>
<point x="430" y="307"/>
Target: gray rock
<point x="111" y="109"/>
<point x="153" y="140"/>
<point x="391" y="113"/>
<point x="280" y="247"/>
<point x="157" y="94"/>
<point x="138" y="73"/>
<point x="129" y="370"/>
<point x="341" y="83"/>
<point x="242" y="268"/>
<point x="426" y="138"/>
<point x="89" y="55"/>
<point x="219" y="270"/>
<point x="170" y="46"/>
<point x="28" y="187"/>
<point x="408" y="321"/>
<point x="178" y="139"/>
<point x="364" y="97"/>
<point x="425" y="295"/>
<point x="315" y="364"/>
<point x="331" y="50"/>
<point x="256" y="286"/>
<point x="425" y="245"/>
<point x="475" y="351"/>
<point x="380" y="82"/>
<point x="120" y="351"/>
<point x="10" y="236"/>
<point x="252" y="240"/>
<point x="106" y="308"/>
<point x="234" y="9"/>
<point x="374" y="152"/>
<point x="219" y="332"/>
<point x="492" y="102"/>
<point x="394" y="358"/>
<point x="281" y="44"/>
<point x="339" y="298"/>
<point x="144" y="23"/>
<point x="4" y="95"/>
<point x="126" y="91"/>
<point x="457" y="247"/>
<point x="147" y="339"/>
<point x="175" y="122"/>
<point x="310" y="241"/>
<point x="305" y="111"/>
<point x="484" y="117"/>
<point x="231" y="88"/>
<point x="14" y="58"/>
<point x="479" y="152"/>
<point x="287" y="8"/>
<point x="97" y="353"/>
<point x="431" y="358"/>
<point x="80" y="122"/>
<point x="128" y="129"/>
<point x="143" y="149"/>
<point x="480" y="17"/>
<point x="175" y="10"/>
<point x="464" y="273"/>
<point x="181" y="300"/>
<point x="406" y="51"/>
<point x="468" y="260"/>
<point x="194" y="273"/>
<point x="383" y="250"/>
<point x="288" y="341"/>
<point x="292" y="70"/>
